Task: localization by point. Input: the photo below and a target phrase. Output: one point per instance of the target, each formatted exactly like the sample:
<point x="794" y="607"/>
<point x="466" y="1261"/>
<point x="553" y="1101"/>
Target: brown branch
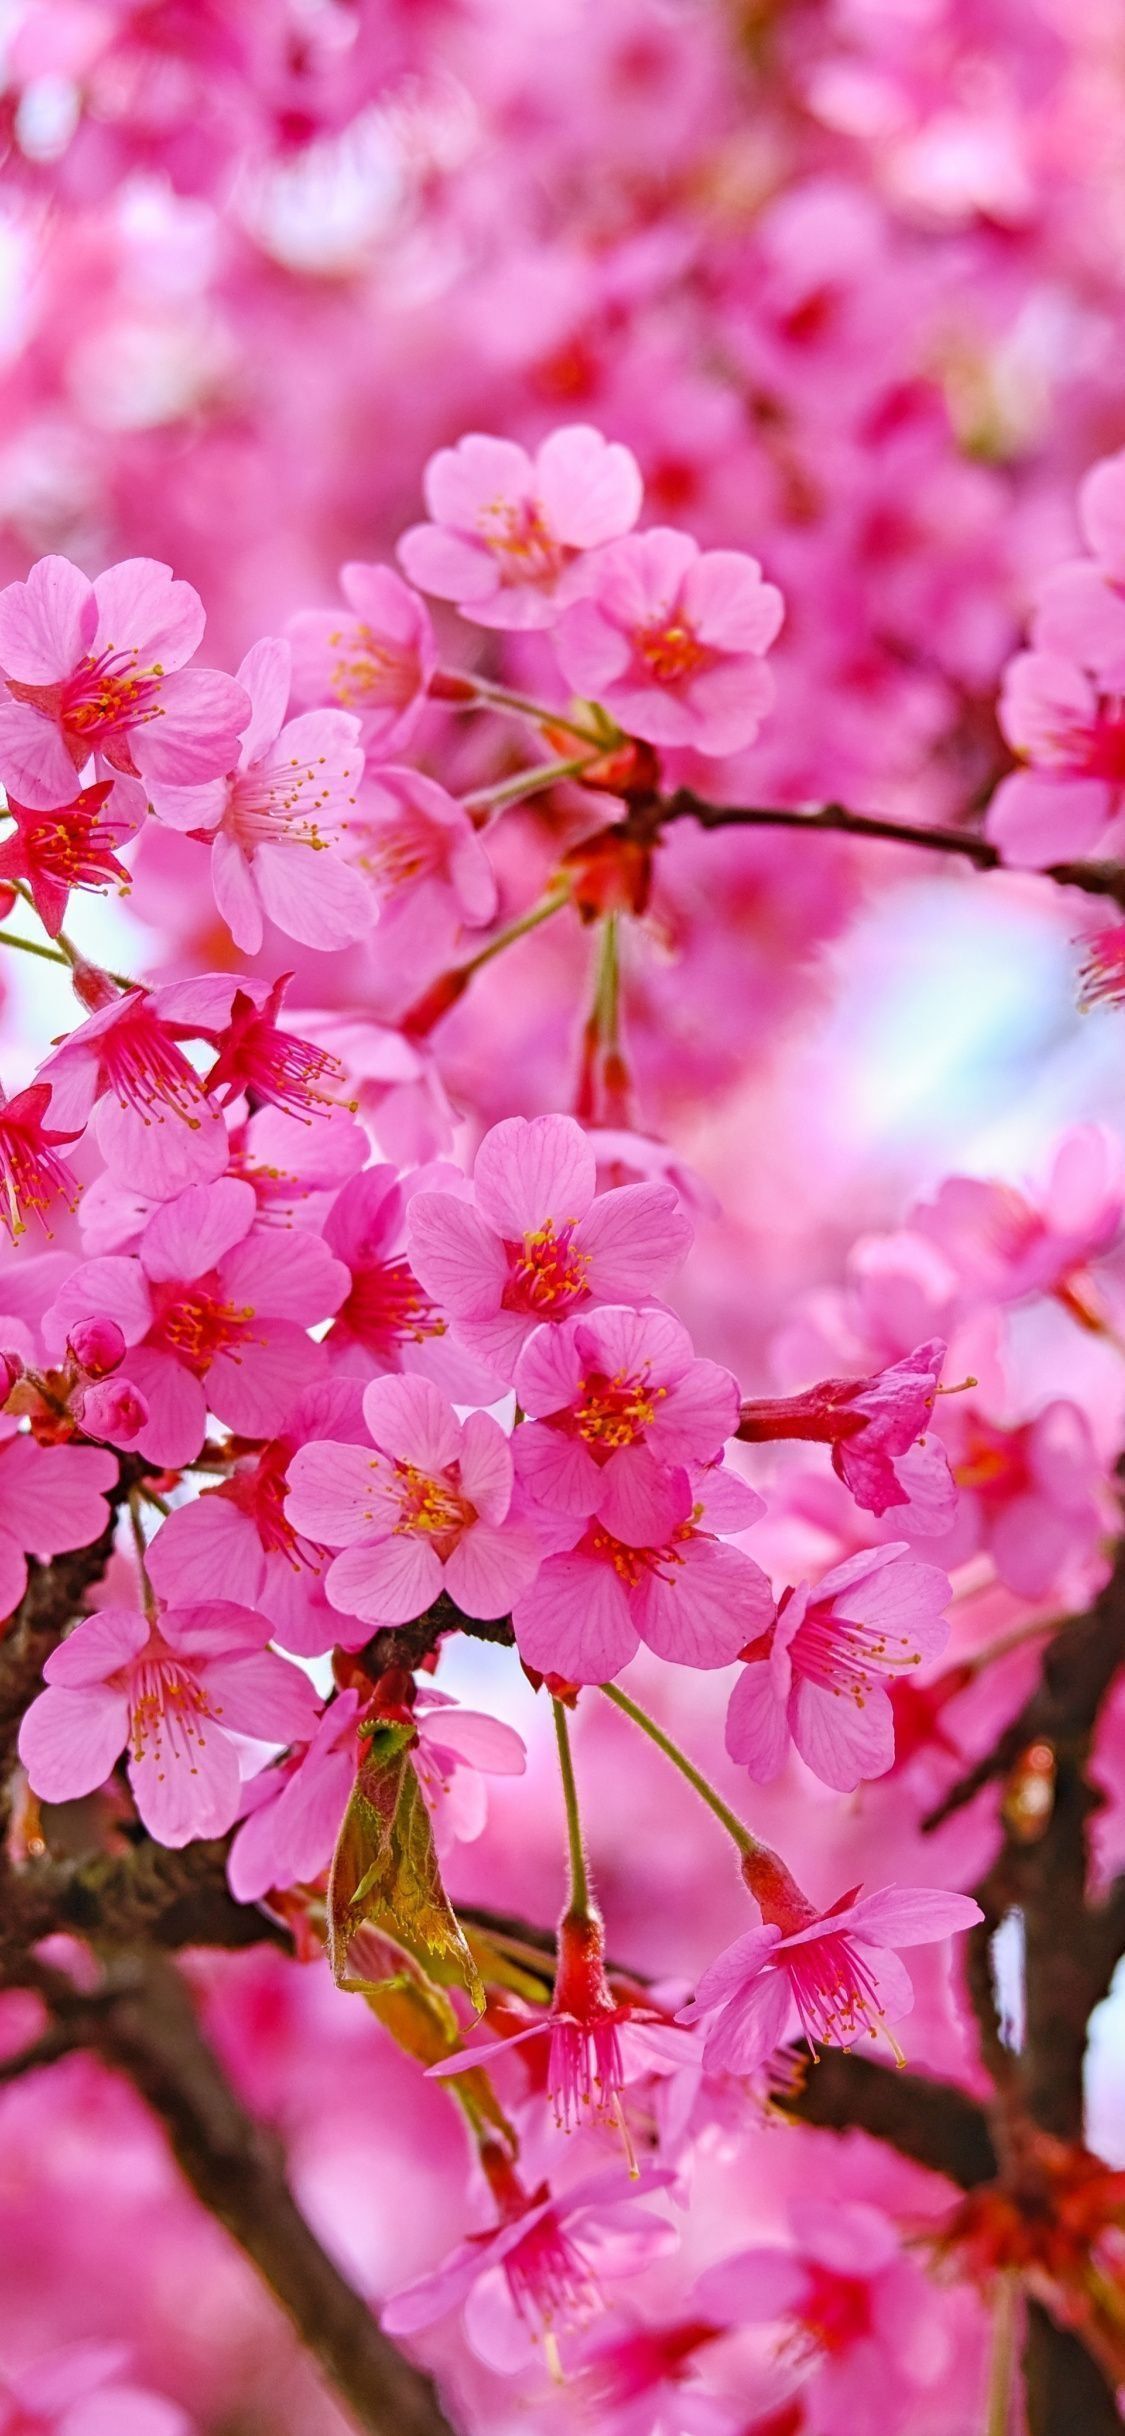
<point x="408" y="1644"/>
<point x="1096" y="879"/>
<point x="932" y="2122"/>
<point x="141" y="2022"/>
<point x="171" y="1899"/>
<point x="1078" y="1667"/>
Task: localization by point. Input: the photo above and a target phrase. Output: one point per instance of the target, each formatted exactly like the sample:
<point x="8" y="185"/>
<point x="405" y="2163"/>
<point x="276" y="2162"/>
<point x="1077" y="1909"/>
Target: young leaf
<point x="385" y="1875"/>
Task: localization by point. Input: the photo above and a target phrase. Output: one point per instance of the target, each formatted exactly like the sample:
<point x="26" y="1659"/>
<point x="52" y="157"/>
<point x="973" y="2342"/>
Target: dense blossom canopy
<point x="562" y="1235"/>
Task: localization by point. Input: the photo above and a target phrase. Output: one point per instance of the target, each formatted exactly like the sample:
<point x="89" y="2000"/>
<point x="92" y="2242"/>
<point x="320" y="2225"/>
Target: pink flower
<point x="275" y="1068"/>
<point x="508" y="531"/>
<point x="604" y="1389"/>
<point x="455" y="1750"/>
<point x="865" y="2326"/>
<point x="585" y="2068"/>
<point x="870" y="1425"/>
<point x="113" y="1410"/>
<point x="97" y="669"/>
<point x="32" y="1176"/>
<point x="816" y="1678"/>
<point x="1004" y="1245"/>
<point x="1074" y="739"/>
<point x="1036" y="1496"/>
<point x="277" y="820"/>
<point x="670" y="639"/>
<point x="535" y="2274"/>
<point x="388" y="1321"/>
<point x="51" y="1498"/>
<point x="215" y="1312"/>
<point x="1080" y="608"/>
<point x="832" y="1968"/>
<point x="295" y="1809"/>
<point x="420" y="850"/>
<point x="69" y="846"/>
<point x="81" y="2390"/>
<point x="376" y="663"/>
<point x="173" y="1692"/>
<point x="428" y="1511"/>
<point x="236" y="1541"/>
<point x="648" y="1567"/>
<point x="536" y="1243"/>
<point x="156" y="1127"/>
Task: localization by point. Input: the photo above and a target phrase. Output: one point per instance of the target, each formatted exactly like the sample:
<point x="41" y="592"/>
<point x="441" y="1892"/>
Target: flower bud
<point x="114" y="1410"/>
<point x="11" y="1370"/>
<point x="97" y="1345"/>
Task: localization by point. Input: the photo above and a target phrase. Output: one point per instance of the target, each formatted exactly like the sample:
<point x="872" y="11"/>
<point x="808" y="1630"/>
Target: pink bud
<point x="115" y="1411"/>
<point x="97" y="1345"/>
<point x="11" y="1369"/>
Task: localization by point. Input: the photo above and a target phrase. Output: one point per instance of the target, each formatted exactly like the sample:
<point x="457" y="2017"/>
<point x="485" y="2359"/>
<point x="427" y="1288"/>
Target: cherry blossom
<point x="870" y="1425"/>
<point x="64" y="846"/>
<point x="509" y="532"/>
<point x="670" y="640"/>
<point x="33" y="1178"/>
<point x="51" y="1498"/>
<point x="602" y="1390"/>
<point x="97" y="670"/>
<point x="815" y="1678"/>
<point x="172" y="1692"/>
<point x="536" y="1243"/>
<point x="420" y="851"/>
<point x="374" y="659"/>
<point x="156" y="1127"/>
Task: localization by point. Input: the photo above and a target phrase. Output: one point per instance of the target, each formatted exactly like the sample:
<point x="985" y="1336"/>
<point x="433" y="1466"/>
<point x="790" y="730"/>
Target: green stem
<point x="525" y="782"/>
<point x="579" y="1901"/>
<point x="739" y="1834"/>
<point x="500" y="697"/>
<point x="552" y="903"/>
<point x="33" y="947"/>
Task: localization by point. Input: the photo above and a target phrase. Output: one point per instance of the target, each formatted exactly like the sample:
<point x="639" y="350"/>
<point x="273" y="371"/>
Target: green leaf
<point x="385" y="1879"/>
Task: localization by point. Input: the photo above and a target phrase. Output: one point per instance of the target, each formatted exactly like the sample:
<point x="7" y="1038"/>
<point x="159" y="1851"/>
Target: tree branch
<point x="933" y="2123"/>
<point x="141" y="2022"/>
<point x="1096" y="879"/>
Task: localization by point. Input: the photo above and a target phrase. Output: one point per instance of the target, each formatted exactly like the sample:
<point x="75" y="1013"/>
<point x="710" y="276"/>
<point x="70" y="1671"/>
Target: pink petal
<point x="13" y="1574"/>
<point x="481" y="1742"/>
<point x="50" y="1496"/>
<point x="265" y="676"/>
<point x="69" y="1741"/>
<point x="557" y="1469"/>
<point x="161" y="1153"/>
<point x="591" y="491"/>
<point x="35" y="765"/>
<point x="635" y="1237"/>
<point x="729" y="605"/>
<point x="386" y="1582"/>
<point x="188" y="1236"/>
<point x="757" y="1732"/>
<point x="100" y="1645"/>
<point x="186" y="1782"/>
<point x="316" y="898"/>
<point x="141" y="607"/>
<point x="197" y="739"/>
<point x="1042" y="816"/>
<point x="644" y="1502"/>
<point x="753" y="2287"/>
<point x="331" y="1491"/>
<point x="490" y="1566"/>
<point x="842" y="1741"/>
<point x="911" y="1915"/>
<point x="177" y="1408"/>
<point x="250" y="1390"/>
<point x="47" y="624"/>
<point x="529" y="1169"/>
<point x="459" y="483"/>
<point x="575" y="1621"/>
<point x="263" y="1696"/>
<point x="111" y="1288"/>
<point x="455" y="1256"/>
<point x="412" y="1422"/>
<point x="750" y="2027"/>
<point x="486" y="1467"/>
<point x="704" y="1614"/>
<point x="207" y="1550"/>
<point x="236" y="894"/>
<point x="733" y="1970"/>
<point x="291" y="1275"/>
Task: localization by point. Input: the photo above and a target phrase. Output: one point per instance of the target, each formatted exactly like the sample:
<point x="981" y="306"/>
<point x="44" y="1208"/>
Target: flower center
<point x="631" y="1564"/>
<point x="836" y="2309"/>
<point x="196" y="1326"/>
<point x="615" y="1412"/>
<point x="835" y="1992"/>
<point x="517" y="534"/>
<point x="992" y="1463"/>
<point x="670" y="651"/>
<point x="547" y="1272"/>
<point x="168" y="1709"/>
<point x="548" y="2280"/>
<point x="370" y="673"/>
<point x="432" y="1506"/>
<point x="143" y="1069"/>
<point x="386" y="1307"/>
<point x="279" y="804"/>
<point x="846" y="1656"/>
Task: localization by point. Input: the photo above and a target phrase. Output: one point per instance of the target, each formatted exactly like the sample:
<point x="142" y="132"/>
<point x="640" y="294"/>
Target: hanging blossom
<point x="648" y="1566"/>
<point x="871" y="1425"/>
<point x="96" y="671"/>
<point x="1004" y="1243"/>
<point x="65" y="846"/>
<point x="277" y="819"/>
<point x="582" y="2030"/>
<point x="536" y="1242"/>
<point x="428" y="1510"/>
<point x="834" y="1970"/>
<point x="215" y="1311"/>
<point x="817" y="1678"/>
<point x="33" y="1178"/>
<point x="155" y="1125"/>
<point x="671" y="640"/>
<point x="865" y="2334"/>
<point x="375" y="658"/>
<point x="172" y="1692"/>
<point x="509" y="533"/>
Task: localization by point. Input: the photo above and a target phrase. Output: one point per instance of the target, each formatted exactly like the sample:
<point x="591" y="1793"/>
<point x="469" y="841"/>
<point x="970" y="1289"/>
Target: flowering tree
<point x="538" y="1561"/>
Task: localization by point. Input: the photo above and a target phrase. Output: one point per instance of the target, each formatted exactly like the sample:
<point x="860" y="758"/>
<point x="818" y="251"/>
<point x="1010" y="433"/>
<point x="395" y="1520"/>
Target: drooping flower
<point x="292" y="1813"/>
<point x="276" y="819"/>
<point x="172" y="1692"/>
<point x="866" y="2335"/>
<point x="582" y="2028"/>
<point x="818" y="1677"/>
<point x="536" y="2273"/>
<point x="671" y="641"/>
<point x="51" y="1498"/>
<point x="275" y="1067"/>
<point x="428" y="1509"/>
<point x="509" y="532"/>
<point x="215" y="1311"/>
<point x="375" y="658"/>
<point x="834" y="1970"/>
<point x="67" y="846"/>
<point x="648" y="1566"/>
<point x="536" y="1243"/>
<point x="388" y="1321"/>
<point x="870" y="1425"/>
<point x="33" y="1178"/>
<point x="96" y="670"/>
<point x="156" y="1127"/>
<point x="1035" y="1494"/>
<point x="605" y="1388"/>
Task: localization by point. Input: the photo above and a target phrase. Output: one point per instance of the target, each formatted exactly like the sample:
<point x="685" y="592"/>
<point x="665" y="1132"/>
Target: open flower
<point x="585" y="2067"/>
<point x="67" y="846"/>
<point x="375" y="658"/>
<point x="537" y="1243"/>
<point x="509" y="531"/>
<point x="870" y="1425"/>
<point x="833" y="1969"/>
<point x="97" y="670"/>
<point x="649" y="1567"/>
<point x="51" y="1498"/>
<point x="427" y="1510"/>
<point x="818" y="1677"/>
<point x="172" y="1692"/>
<point x="670" y="639"/>
<point x="606" y="1388"/>
<point x="157" y="1129"/>
<point x="215" y="1311"/>
<point x="420" y="851"/>
<point x="276" y="819"/>
<point x="33" y="1178"/>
